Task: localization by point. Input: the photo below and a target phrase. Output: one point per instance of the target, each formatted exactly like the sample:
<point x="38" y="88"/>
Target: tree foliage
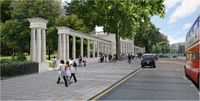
<point x="47" y="9"/>
<point x="15" y="31"/>
<point x="149" y="37"/>
<point x="161" y="47"/>
<point x="5" y="10"/>
<point x="116" y="16"/>
<point x="14" y="37"/>
<point x="73" y="22"/>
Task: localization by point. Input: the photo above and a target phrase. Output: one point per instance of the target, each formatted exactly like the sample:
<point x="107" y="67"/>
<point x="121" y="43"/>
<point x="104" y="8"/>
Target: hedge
<point x="15" y="68"/>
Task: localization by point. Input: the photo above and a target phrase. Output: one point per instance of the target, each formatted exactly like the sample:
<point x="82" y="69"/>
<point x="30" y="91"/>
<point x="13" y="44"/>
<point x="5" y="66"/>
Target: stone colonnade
<point x="38" y="42"/>
<point x="99" y="45"/>
<point x="139" y="49"/>
<point x="38" y="39"/>
<point x="127" y="47"/>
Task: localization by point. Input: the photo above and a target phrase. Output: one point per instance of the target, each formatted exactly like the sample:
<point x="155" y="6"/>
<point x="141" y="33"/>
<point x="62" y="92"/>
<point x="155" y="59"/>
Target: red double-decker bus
<point x="192" y="51"/>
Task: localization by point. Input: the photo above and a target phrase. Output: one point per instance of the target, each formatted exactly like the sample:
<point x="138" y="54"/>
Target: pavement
<point x="165" y="82"/>
<point x="92" y="80"/>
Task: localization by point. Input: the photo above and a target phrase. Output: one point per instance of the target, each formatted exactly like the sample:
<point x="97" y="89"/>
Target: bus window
<point x="193" y="55"/>
<point x="189" y="56"/>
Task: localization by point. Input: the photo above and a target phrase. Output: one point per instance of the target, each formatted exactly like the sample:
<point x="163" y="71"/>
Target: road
<point x="165" y="82"/>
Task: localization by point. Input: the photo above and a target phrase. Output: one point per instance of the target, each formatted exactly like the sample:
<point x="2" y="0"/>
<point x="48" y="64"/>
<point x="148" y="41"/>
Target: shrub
<point x="21" y="58"/>
<point x="11" y="68"/>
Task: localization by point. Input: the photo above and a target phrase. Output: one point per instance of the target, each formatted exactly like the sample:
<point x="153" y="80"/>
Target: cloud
<point x="173" y="39"/>
<point x="187" y="25"/>
<point x="161" y="31"/>
<point x="186" y="8"/>
<point x="171" y="3"/>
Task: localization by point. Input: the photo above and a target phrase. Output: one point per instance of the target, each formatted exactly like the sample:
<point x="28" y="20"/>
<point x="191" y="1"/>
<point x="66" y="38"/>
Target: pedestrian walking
<point x="80" y="60"/>
<point x="129" y="58"/>
<point x="101" y="58"/>
<point x="68" y="72"/>
<point x="110" y="57"/>
<point x="54" y="62"/>
<point x="84" y="60"/>
<point x="72" y="70"/>
<point x="61" y="72"/>
<point x="106" y="57"/>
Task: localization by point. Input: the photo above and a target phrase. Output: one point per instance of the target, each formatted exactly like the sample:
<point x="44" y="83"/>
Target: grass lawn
<point x="10" y="57"/>
<point x="28" y="58"/>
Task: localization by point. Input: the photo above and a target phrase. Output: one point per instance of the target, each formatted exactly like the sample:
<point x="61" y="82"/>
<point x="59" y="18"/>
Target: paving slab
<point x="92" y="79"/>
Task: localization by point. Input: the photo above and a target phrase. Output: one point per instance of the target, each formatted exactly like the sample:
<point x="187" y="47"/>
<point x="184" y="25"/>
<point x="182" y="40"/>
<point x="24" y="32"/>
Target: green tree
<point x="5" y="10"/>
<point x="149" y="37"/>
<point x="73" y="22"/>
<point x="161" y="47"/>
<point x="15" y="33"/>
<point x="116" y="16"/>
<point x="47" y="9"/>
<point x="14" y="37"/>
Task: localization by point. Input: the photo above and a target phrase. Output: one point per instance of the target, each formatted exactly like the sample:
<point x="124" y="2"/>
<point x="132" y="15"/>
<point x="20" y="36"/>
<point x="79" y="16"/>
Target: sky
<point x="179" y="17"/>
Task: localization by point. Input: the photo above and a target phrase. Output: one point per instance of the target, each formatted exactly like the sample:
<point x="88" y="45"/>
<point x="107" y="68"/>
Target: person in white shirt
<point x="61" y="73"/>
<point x="54" y="62"/>
<point x="68" y="72"/>
<point x="70" y="61"/>
<point x="72" y="69"/>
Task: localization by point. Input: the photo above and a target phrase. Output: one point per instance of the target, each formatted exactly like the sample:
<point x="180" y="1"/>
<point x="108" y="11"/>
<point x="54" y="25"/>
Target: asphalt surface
<point x="165" y="82"/>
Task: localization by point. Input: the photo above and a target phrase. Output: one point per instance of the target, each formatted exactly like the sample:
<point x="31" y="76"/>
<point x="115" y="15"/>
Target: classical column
<point x="38" y="57"/>
<point x="82" y="47"/>
<point x="132" y="48"/>
<point x="109" y="48"/>
<point x="126" y="47"/>
<point x="67" y="47"/>
<point x="64" y="47"/>
<point x="38" y="42"/>
<point x="93" y="49"/>
<point x="121" y="47"/>
<point x="43" y="58"/>
<point x="88" y="49"/>
<point x="33" y="47"/>
<point x="74" y="47"/>
<point x="106" y="48"/>
<point x="59" y="47"/>
<point x="104" y="45"/>
<point x="98" y="45"/>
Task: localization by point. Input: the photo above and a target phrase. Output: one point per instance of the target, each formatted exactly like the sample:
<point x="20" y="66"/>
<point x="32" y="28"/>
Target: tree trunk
<point x="118" y="45"/>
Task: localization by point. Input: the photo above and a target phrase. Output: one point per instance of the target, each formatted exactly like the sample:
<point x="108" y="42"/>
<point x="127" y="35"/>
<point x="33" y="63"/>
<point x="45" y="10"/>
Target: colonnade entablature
<point x="99" y="45"/>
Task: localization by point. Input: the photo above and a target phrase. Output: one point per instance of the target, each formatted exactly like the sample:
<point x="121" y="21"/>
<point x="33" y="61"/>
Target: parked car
<point x="148" y="60"/>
